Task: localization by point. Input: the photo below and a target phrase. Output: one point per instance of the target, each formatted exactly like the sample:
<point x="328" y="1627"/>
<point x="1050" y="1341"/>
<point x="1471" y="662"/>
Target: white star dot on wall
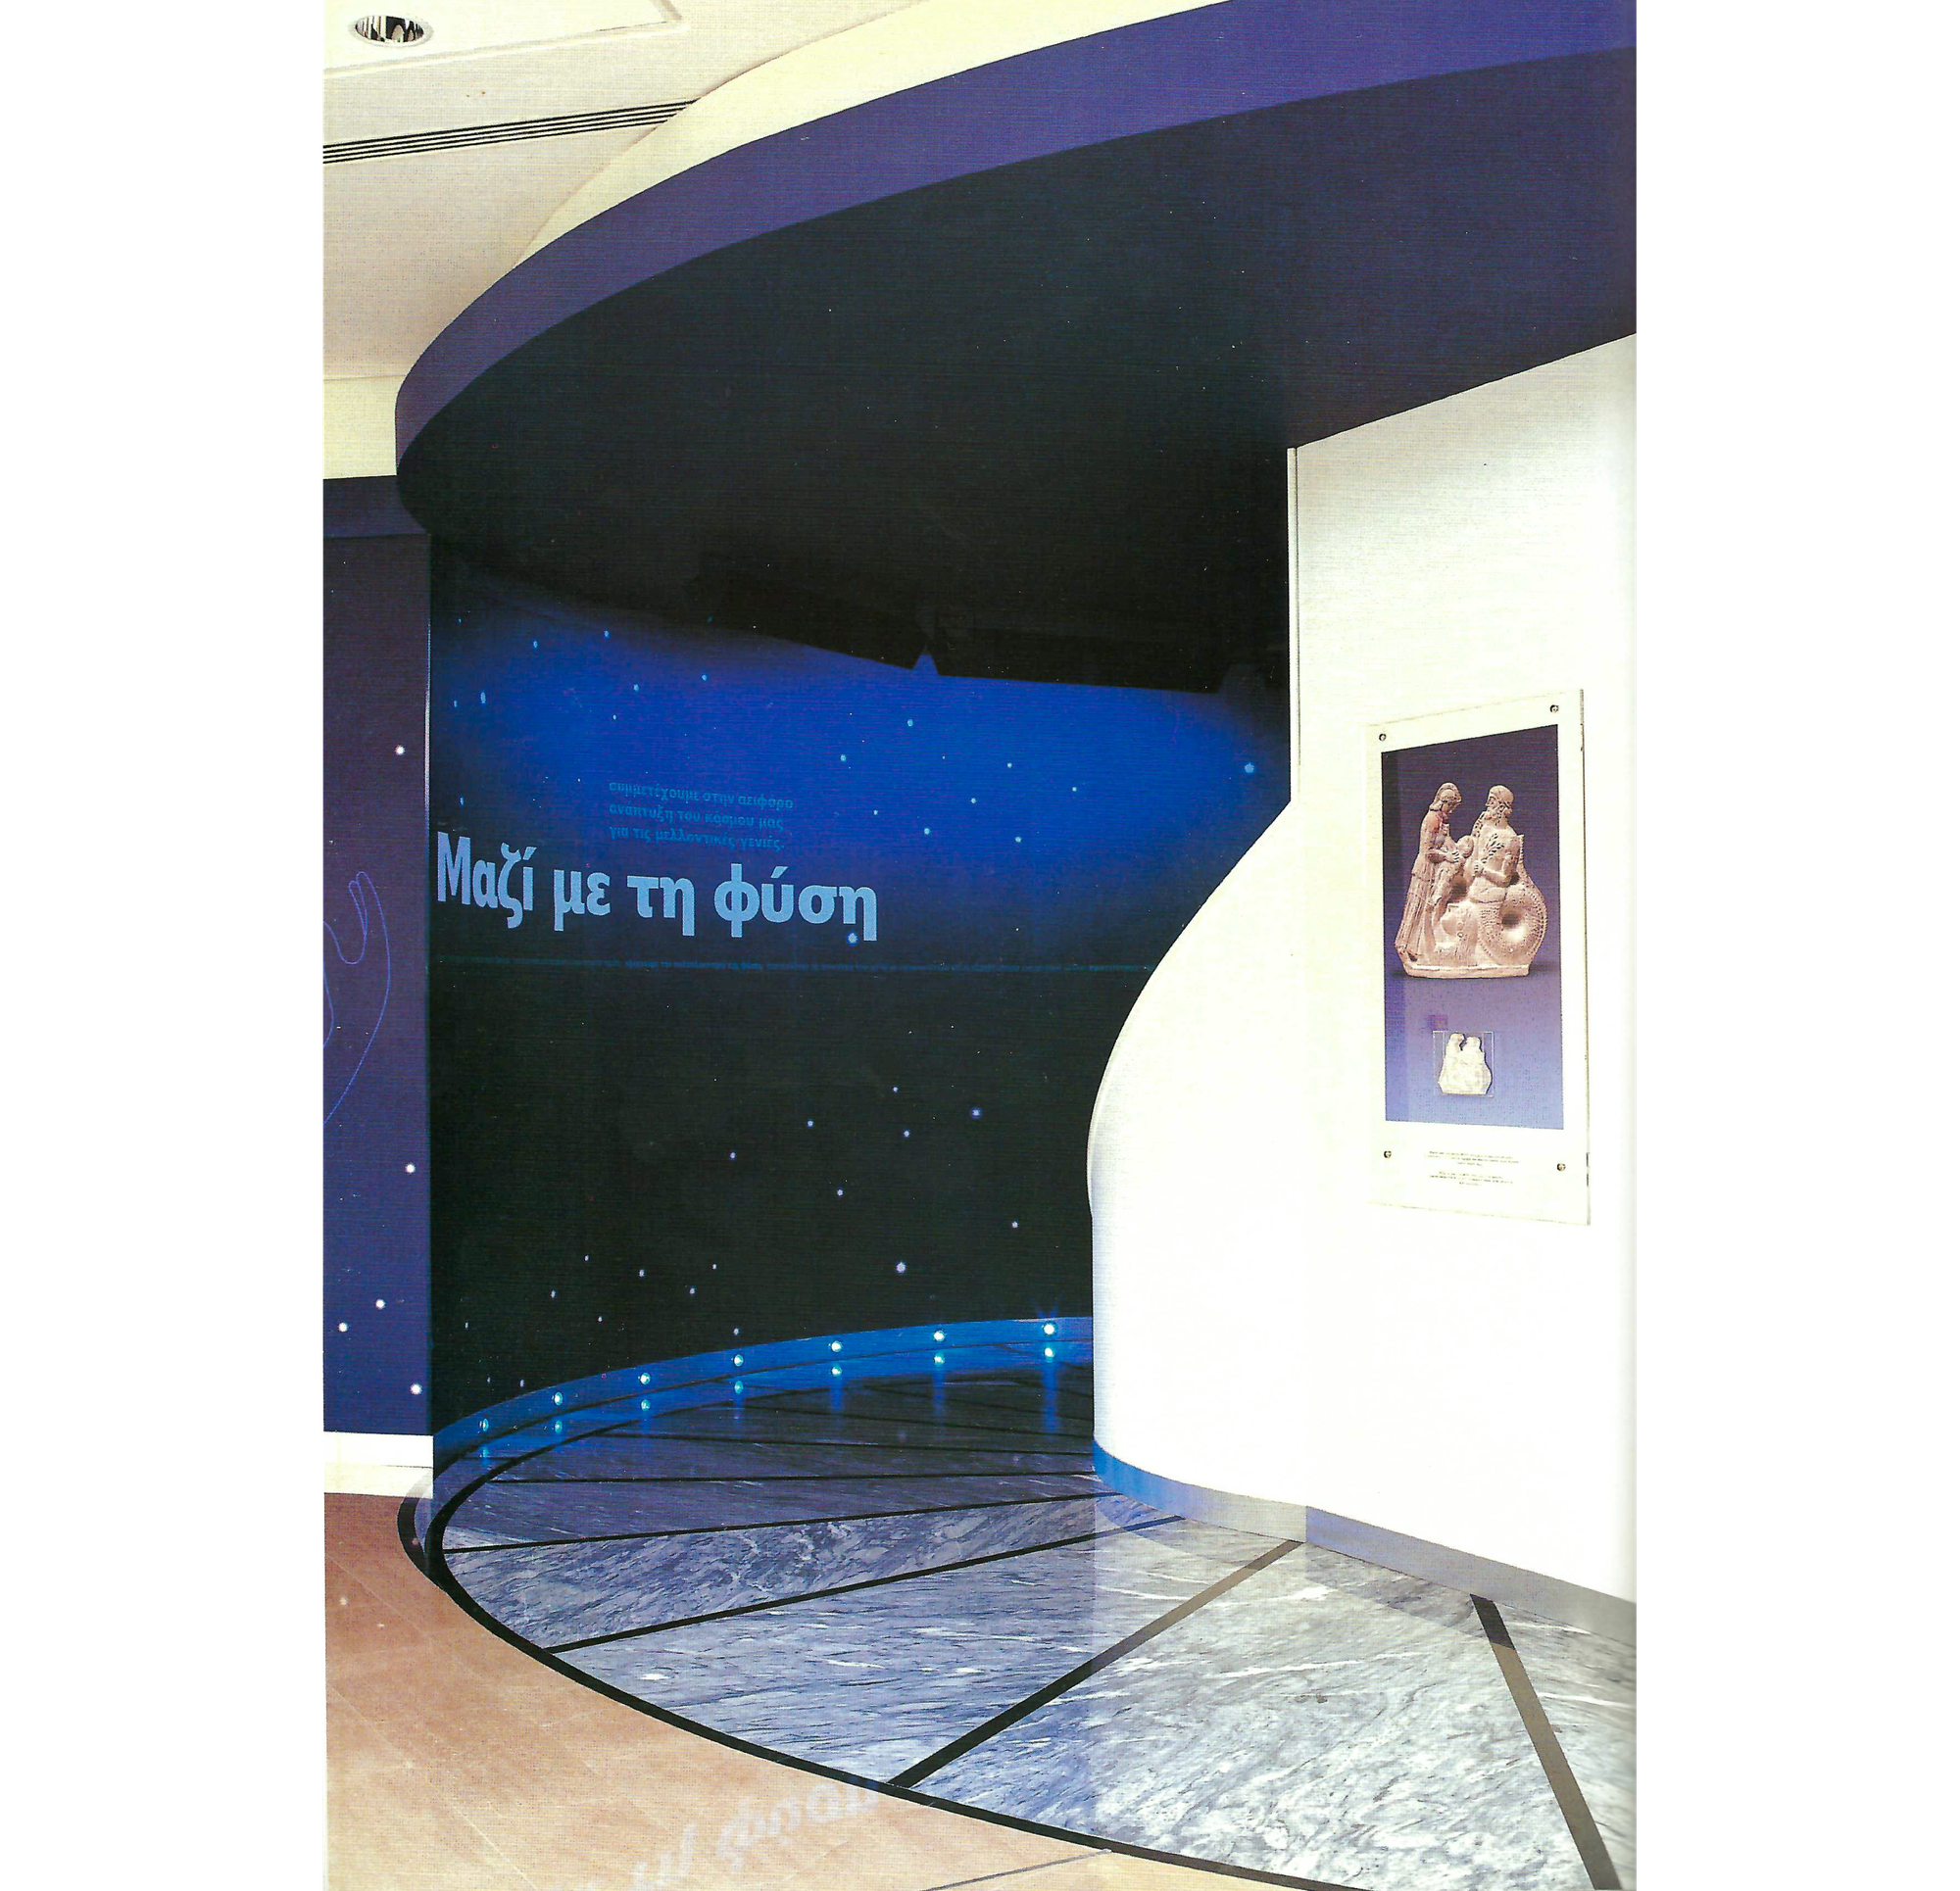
<point x="416" y="1389"/>
<point x="399" y="750"/>
<point x="379" y="1306"/>
<point x="411" y="1168"/>
<point x="343" y="1326"/>
<point x="899" y="1268"/>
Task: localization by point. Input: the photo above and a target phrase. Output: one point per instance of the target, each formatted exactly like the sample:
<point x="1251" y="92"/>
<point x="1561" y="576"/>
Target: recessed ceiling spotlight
<point x="390" y="29"/>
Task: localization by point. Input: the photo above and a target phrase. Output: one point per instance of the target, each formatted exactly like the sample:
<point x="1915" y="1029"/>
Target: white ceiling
<point x="413" y="239"/>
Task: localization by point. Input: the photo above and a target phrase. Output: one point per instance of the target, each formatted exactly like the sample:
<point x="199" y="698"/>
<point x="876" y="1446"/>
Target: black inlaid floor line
<point x="790" y="1478"/>
<point x="852" y="1589"/>
<point x="952" y="1400"/>
<point x="765" y="1523"/>
<point x="1601" y="1872"/>
<point x="1042" y="1696"/>
<point x="943" y="1419"/>
<point x="1017" y="1872"/>
<point x="844" y="1444"/>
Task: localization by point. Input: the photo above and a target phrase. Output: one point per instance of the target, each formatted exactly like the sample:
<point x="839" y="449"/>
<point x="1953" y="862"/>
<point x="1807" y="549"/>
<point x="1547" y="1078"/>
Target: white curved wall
<point x="1261" y="1329"/>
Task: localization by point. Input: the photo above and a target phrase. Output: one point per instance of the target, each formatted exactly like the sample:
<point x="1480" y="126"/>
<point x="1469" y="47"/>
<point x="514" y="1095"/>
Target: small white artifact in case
<point x="1464" y="1072"/>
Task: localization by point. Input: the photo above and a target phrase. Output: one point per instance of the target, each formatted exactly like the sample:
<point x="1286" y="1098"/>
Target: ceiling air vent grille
<point x="567" y="126"/>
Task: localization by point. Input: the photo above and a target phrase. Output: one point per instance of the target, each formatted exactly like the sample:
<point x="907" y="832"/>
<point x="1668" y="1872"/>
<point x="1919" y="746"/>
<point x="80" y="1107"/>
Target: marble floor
<point x="918" y="1583"/>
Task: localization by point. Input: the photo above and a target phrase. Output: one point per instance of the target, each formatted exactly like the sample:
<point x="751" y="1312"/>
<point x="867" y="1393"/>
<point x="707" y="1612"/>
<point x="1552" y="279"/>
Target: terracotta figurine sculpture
<point x="1435" y="851"/>
<point x="1472" y="910"/>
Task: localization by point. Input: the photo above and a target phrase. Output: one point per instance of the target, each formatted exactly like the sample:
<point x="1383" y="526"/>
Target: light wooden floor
<point x="457" y="1764"/>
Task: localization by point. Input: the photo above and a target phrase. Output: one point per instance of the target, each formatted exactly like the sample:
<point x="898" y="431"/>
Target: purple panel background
<point x="1528" y="1069"/>
<point x="376" y="1222"/>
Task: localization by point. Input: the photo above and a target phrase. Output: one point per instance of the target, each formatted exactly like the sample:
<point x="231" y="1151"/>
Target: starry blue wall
<point x="645" y="1143"/>
<point x="374" y="1298"/>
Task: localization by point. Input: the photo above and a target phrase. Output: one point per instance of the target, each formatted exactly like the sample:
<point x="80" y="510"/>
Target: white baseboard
<point x="378" y="1464"/>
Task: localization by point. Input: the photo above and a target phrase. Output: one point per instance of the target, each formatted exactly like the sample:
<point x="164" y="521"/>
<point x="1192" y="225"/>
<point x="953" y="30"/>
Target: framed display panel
<point x="1479" y="820"/>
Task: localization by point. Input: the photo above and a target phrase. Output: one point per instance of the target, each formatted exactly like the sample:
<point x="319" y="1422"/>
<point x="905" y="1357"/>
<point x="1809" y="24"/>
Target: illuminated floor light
<point x="837" y="1371"/>
<point x="837" y="1345"/>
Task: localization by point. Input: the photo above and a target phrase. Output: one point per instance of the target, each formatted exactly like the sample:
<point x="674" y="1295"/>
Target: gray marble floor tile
<point x="1586" y="1683"/>
<point x="639" y="1456"/>
<point x="501" y="1512"/>
<point x="1412" y="1596"/>
<point x="874" y="1682"/>
<point x="1292" y="1726"/>
<point x="577" y="1590"/>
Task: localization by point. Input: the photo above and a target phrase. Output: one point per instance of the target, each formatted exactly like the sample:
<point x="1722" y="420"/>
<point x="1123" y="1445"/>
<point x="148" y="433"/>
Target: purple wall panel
<point x="374" y="1092"/>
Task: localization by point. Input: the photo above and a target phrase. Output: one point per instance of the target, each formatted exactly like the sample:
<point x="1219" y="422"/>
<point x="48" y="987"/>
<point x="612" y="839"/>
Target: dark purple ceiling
<point x="1005" y="367"/>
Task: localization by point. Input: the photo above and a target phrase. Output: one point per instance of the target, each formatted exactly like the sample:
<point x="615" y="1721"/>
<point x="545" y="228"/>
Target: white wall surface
<point x="359" y="428"/>
<point x="1260" y="1328"/>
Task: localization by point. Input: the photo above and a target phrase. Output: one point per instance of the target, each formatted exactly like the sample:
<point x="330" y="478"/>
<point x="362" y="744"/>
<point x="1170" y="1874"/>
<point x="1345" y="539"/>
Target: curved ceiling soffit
<point x="1175" y="70"/>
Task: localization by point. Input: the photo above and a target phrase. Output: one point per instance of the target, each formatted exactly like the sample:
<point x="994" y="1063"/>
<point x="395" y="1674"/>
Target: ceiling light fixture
<point x="390" y="29"/>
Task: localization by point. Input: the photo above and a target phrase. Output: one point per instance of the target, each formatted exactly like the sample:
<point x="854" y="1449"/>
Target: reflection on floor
<point x="920" y="1584"/>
